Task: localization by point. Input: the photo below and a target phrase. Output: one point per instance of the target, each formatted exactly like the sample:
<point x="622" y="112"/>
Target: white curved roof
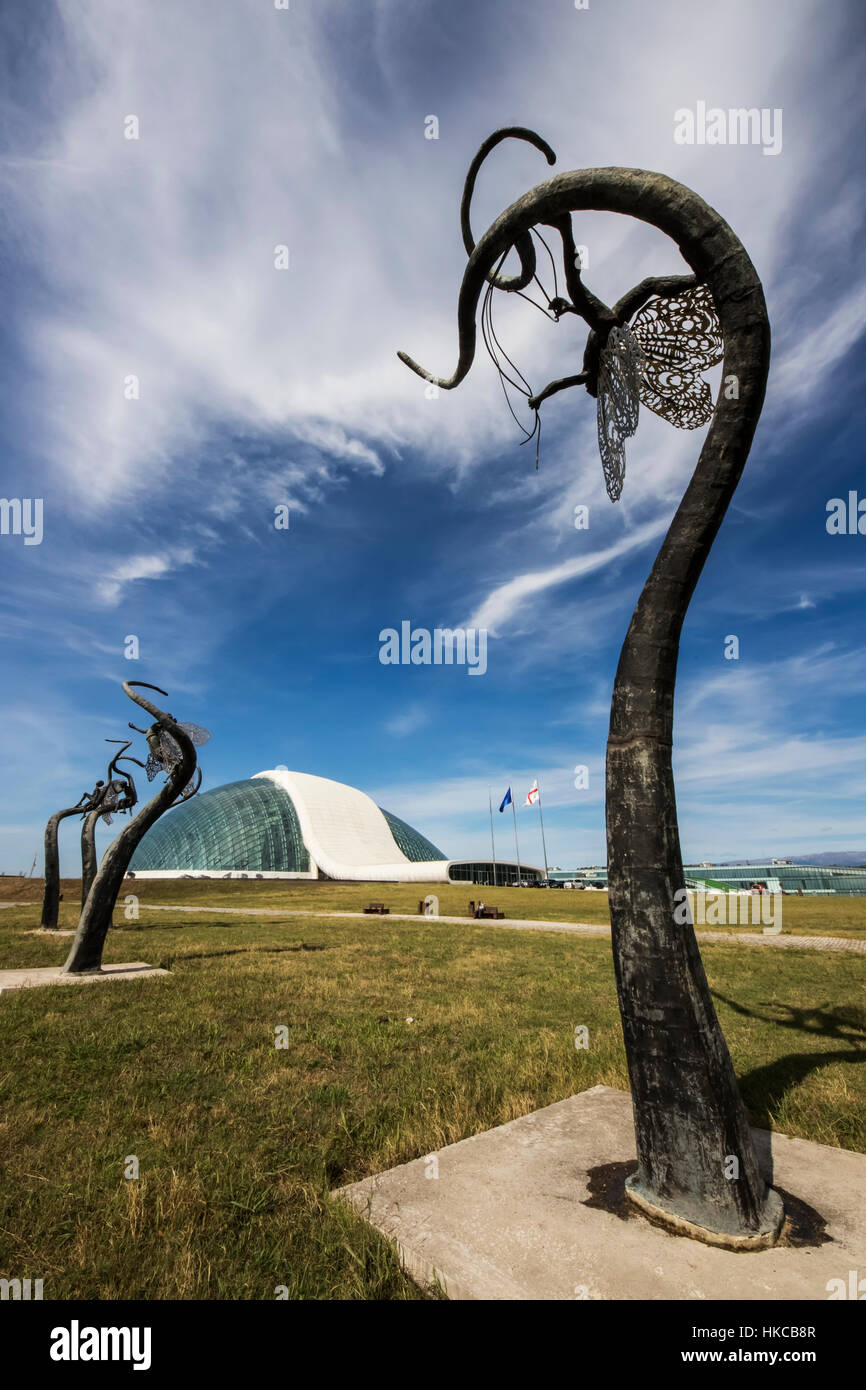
<point x="347" y="835"/>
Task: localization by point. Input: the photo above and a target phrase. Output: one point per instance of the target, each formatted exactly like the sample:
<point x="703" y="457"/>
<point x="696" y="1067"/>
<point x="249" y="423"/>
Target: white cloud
<point x="407" y="722"/>
<point x="500" y="604"/>
<point x="753" y="776"/>
<point x="248" y="140"/>
<point x="800" y="382"/>
<point x="158" y="566"/>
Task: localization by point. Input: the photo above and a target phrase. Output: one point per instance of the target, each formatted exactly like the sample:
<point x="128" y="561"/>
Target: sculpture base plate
<point x="51" y="975"/>
<point x="762" y="1239"/>
<point x="537" y="1209"/>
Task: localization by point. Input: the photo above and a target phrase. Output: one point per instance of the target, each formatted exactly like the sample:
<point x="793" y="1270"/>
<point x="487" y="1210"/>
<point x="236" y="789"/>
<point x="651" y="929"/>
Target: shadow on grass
<point x="238" y="951"/>
<point x="848" y="1023"/>
<point x="764" y="1088"/>
<point x="192" y="924"/>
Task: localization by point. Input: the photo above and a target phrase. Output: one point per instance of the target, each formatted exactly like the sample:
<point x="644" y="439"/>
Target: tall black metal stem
<point x="690" y="1122"/>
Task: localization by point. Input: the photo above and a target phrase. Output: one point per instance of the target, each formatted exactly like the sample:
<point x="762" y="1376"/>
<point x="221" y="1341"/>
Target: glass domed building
<point x="282" y="824"/>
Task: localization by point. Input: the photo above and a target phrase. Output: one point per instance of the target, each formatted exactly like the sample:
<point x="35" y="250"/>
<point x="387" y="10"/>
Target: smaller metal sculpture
<point x="118" y="796"/>
<point x="51" y="895"/>
<point x="182" y="781"/>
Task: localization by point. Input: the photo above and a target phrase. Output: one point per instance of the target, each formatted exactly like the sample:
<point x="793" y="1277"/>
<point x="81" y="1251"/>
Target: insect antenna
<point x="495" y="350"/>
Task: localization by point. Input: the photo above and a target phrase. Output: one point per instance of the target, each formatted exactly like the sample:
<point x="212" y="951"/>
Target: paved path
<point x="814" y="943"/>
<point x="811" y="943"/>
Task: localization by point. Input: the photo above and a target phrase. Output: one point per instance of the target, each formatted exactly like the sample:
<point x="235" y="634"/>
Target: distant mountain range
<point x="838" y="858"/>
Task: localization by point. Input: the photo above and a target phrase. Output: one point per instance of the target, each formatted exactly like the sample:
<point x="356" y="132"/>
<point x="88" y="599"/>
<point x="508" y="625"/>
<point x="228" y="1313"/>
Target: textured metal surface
<point x="679" y="338"/>
<point x="165" y="752"/>
<point x="619" y="383"/>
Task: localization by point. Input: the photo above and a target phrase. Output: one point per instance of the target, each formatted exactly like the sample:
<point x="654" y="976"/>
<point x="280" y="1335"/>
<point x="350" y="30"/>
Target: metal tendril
<point x="494" y="347"/>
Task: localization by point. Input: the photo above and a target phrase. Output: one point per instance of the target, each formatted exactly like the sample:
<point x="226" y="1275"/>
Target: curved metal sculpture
<point x="117" y="797"/>
<point x="85" y="957"/>
<point x="51" y="895"/>
<point x="689" y="1117"/>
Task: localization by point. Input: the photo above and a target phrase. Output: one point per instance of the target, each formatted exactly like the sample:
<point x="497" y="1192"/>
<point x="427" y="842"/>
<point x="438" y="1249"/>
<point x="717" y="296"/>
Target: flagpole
<point x="543" y="845"/>
<point x="516" y="845"/>
<point x="492" y="841"/>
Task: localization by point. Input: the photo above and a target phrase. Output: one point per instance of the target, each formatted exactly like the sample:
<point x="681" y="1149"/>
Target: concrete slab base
<point x="537" y="1209"/>
<point x="50" y="975"/>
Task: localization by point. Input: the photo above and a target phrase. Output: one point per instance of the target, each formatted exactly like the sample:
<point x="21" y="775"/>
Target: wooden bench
<point x="486" y="911"/>
<point x="379" y="909"/>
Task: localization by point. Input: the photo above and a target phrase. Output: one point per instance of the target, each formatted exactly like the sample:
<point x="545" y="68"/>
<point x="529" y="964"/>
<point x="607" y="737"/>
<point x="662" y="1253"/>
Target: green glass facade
<point x="248" y="826"/>
<point x="786" y="878"/>
<point x="414" y="845"/>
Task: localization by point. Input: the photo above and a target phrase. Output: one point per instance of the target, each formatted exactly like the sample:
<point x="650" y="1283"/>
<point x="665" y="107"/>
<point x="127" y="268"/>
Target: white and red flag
<point x="532" y="794"/>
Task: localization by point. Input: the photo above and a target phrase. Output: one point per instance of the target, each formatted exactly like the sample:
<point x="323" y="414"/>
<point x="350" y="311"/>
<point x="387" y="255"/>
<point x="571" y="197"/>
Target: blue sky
<point x="155" y="257"/>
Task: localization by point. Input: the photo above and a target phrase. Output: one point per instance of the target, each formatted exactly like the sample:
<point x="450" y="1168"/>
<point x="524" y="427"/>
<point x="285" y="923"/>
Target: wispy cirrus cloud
<point x="111" y="586"/>
<point x="168" y="271"/>
<point x="408" y="721"/>
<point x="494" y="612"/>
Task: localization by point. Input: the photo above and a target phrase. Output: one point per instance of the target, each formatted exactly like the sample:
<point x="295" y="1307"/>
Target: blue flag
<point x="506" y="800"/>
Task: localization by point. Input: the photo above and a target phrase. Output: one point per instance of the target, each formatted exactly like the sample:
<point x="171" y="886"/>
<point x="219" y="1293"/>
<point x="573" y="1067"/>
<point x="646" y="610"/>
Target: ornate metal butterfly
<point x="658" y="361"/>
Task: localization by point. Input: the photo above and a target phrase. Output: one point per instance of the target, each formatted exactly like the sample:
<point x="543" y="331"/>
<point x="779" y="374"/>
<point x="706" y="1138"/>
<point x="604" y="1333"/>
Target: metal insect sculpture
<point x="118" y="797"/>
<point x="164" y="751"/>
<point x="51" y="894"/>
<point x="650" y="348"/>
<point x="182" y="781"/>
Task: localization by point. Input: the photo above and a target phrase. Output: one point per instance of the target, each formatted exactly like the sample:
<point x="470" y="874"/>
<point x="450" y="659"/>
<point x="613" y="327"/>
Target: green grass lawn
<point x="819" y="916"/>
<point x="239" y="1143"/>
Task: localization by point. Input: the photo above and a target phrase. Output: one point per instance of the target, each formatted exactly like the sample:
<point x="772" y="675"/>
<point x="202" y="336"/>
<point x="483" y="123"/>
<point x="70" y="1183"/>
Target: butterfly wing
<point x="619" y="372"/>
<point x="679" y="396"/>
<point x="679" y="338"/>
<point x="611" y="447"/>
<point x="681" y="332"/>
<point x="196" y="733"/>
<point x="619" y="384"/>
